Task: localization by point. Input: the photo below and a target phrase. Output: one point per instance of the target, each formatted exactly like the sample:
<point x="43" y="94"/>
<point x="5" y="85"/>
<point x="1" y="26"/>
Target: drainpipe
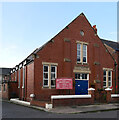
<point x="23" y="86"/>
<point x="115" y="64"/>
<point x="118" y="71"/>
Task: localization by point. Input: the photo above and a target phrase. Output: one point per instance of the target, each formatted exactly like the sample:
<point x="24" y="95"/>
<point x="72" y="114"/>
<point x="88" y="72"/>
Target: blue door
<point x="81" y="87"/>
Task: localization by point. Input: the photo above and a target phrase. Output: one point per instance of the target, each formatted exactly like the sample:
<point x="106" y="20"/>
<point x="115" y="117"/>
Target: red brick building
<point x="75" y="52"/>
<point x="8" y="88"/>
<point x="113" y="48"/>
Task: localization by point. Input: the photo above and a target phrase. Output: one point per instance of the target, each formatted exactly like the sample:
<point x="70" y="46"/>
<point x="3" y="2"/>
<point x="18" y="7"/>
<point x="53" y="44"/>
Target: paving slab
<point x="87" y="108"/>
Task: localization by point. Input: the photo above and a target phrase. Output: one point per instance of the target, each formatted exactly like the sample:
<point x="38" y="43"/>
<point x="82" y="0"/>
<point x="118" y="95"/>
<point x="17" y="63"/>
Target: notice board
<point x="64" y="83"/>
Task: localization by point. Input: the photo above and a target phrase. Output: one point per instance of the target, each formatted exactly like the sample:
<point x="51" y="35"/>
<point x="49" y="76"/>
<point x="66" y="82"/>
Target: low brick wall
<point x="65" y="100"/>
<point x="114" y="97"/>
<point x="38" y="103"/>
<point x="69" y="100"/>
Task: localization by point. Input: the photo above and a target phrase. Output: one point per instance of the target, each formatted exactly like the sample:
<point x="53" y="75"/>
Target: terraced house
<point x="76" y="53"/>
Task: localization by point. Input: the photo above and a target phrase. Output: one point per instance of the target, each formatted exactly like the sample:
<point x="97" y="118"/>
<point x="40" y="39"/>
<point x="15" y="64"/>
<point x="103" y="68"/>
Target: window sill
<point x="78" y="63"/>
<point x="82" y="63"/>
<point x="49" y="87"/>
<point x="53" y="87"/>
<point x="45" y="87"/>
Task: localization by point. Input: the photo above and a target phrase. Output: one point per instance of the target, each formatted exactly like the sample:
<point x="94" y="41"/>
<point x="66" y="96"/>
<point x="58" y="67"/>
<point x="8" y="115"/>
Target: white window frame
<point x="43" y="76"/>
<point x="83" y="54"/>
<point x="107" y="78"/>
<point x="55" y="74"/>
<point x="110" y="79"/>
<point x="79" y="51"/>
<point x="49" y="65"/>
<point x="82" y="75"/>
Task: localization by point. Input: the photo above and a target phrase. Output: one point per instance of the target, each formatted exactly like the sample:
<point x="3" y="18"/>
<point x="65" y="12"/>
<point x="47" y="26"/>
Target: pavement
<point x="72" y="109"/>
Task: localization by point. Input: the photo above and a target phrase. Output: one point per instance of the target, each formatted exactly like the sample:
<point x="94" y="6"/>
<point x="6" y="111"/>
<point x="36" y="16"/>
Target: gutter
<point x="115" y="65"/>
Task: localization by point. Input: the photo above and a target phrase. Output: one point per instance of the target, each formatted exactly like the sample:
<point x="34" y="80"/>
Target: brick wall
<point x="59" y="49"/>
<point x="62" y="46"/>
<point x="13" y="90"/>
<point x="30" y="80"/>
<point x="115" y="54"/>
<point x="70" y="102"/>
<point x="115" y="99"/>
<point x="5" y="94"/>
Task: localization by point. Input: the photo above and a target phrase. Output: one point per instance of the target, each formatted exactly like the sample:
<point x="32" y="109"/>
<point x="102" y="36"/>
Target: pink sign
<point x="64" y="83"/>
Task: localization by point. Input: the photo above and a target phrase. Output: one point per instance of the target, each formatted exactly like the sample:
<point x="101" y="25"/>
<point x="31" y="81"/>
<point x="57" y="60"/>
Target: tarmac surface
<point x="73" y="109"/>
<point x="13" y="111"/>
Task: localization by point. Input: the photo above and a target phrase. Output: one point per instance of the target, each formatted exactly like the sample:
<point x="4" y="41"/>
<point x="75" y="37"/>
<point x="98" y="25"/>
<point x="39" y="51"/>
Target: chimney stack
<point x="94" y="27"/>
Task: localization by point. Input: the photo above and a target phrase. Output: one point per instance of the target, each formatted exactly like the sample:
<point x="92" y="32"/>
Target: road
<point x="10" y="110"/>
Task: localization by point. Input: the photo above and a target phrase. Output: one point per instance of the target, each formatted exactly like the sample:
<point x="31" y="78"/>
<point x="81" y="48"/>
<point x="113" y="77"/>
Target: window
<point x="81" y="53"/>
<point x="53" y="75"/>
<point x="45" y="75"/>
<point x="84" y="53"/>
<point x="81" y="76"/>
<point x="107" y="78"/>
<point x="49" y="75"/>
<point x="104" y="78"/>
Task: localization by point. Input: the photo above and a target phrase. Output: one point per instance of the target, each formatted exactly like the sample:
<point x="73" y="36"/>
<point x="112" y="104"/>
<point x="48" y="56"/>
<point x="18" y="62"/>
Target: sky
<point x="28" y="25"/>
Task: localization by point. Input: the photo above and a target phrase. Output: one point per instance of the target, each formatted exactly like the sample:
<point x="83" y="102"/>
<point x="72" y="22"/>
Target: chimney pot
<point x="94" y="27"/>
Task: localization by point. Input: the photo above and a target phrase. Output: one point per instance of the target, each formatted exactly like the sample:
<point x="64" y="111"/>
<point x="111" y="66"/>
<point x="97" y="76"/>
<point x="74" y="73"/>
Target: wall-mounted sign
<point x="64" y="83"/>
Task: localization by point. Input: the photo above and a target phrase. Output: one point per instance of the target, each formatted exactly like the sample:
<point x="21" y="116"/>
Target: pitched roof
<point x="30" y="58"/>
<point x="112" y="44"/>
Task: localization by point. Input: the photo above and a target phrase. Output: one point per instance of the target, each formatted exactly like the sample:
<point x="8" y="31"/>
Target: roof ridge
<point x="109" y="41"/>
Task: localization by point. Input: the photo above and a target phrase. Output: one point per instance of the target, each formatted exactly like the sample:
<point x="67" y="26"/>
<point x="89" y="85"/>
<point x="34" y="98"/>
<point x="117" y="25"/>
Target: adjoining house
<point x="113" y="48"/>
<point x="4" y="78"/>
<point x="75" y="53"/>
<point x="7" y="87"/>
